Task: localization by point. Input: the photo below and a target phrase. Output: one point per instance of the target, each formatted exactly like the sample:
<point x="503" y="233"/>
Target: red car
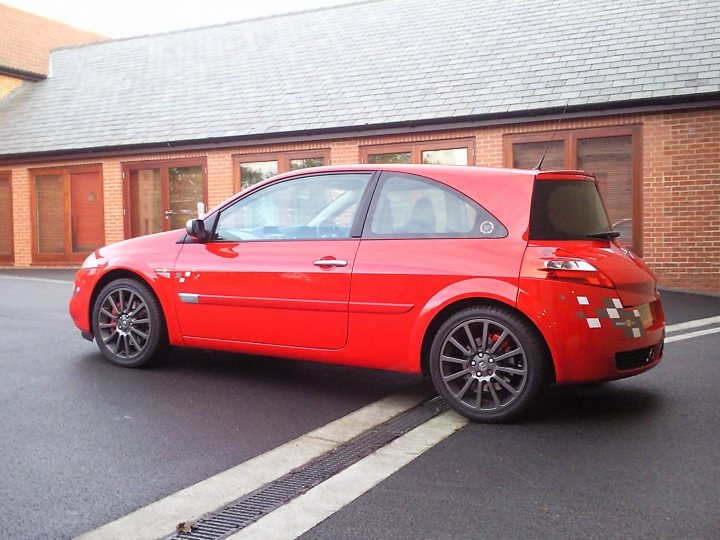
<point x="496" y="282"/>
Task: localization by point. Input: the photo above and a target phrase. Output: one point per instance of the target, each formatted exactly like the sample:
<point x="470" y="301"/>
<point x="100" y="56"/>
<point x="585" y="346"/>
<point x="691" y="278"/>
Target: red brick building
<point x="25" y="44"/>
<point x="127" y="136"/>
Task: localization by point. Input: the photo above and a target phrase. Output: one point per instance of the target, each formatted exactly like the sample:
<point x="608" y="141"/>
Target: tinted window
<point x="407" y="206"/>
<point x="566" y="210"/>
<point x="319" y="206"/>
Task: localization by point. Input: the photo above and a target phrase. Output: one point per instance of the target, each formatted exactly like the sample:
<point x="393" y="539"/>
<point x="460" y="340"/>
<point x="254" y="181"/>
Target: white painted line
<point x="43" y="280"/>
<point x="303" y="513"/>
<point x="159" y="519"/>
<point x="692" y="324"/>
<point x="692" y="335"/>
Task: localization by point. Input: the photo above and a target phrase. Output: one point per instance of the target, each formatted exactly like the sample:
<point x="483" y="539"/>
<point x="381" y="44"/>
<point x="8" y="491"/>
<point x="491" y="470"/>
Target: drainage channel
<point x="253" y="506"/>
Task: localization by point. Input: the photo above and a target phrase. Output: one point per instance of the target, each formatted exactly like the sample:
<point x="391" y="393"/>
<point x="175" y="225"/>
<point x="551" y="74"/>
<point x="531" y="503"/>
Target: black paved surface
<point x="630" y="459"/>
<point x="84" y="442"/>
<point x="681" y="307"/>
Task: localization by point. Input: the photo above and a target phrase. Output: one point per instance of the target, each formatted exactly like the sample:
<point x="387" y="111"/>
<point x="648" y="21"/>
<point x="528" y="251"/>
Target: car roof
<point x="445" y="171"/>
<point x="419" y="169"/>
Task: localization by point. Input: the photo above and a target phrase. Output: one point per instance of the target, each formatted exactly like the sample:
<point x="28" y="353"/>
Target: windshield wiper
<point x="607" y="235"/>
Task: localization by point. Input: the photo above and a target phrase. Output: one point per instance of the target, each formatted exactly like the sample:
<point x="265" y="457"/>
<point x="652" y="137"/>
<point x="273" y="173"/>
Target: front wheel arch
<point x="114" y="275"/>
<point x="157" y="343"/>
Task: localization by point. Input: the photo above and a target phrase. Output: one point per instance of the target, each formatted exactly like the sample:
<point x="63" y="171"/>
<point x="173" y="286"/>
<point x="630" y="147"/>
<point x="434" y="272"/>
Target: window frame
<point x="68" y="256"/>
<point x="475" y="234"/>
<point x="417" y="148"/>
<point x="355" y="227"/>
<point x="571" y="137"/>
<point x="164" y="166"/>
<point x="283" y="160"/>
<point x="6" y="176"/>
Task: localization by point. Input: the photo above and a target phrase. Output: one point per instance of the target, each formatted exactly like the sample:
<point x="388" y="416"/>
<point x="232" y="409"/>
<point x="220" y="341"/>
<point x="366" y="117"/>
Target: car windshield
<point x="567" y="210"/>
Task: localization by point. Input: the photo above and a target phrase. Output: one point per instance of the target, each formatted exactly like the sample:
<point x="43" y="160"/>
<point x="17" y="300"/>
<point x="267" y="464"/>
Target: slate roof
<point x="26" y="40"/>
<point x="375" y="63"/>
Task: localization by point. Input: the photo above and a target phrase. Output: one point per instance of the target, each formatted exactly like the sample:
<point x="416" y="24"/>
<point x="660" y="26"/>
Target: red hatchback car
<point x="496" y="282"/>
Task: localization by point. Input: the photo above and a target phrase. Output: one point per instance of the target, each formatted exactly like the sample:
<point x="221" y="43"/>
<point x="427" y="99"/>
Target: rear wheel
<point x="488" y="364"/>
<point x="128" y="324"/>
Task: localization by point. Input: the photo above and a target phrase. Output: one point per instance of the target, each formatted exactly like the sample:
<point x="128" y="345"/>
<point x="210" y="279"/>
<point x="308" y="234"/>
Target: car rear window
<point x="566" y="210"/>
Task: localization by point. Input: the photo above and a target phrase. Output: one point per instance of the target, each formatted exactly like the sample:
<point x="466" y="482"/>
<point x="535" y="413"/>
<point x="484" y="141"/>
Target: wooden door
<point x="7" y="250"/>
<point x="68" y="214"/>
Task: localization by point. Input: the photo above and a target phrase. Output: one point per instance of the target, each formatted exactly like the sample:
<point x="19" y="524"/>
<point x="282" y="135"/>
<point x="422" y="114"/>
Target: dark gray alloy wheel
<point x="488" y="364"/>
<point x="127" y="323"/>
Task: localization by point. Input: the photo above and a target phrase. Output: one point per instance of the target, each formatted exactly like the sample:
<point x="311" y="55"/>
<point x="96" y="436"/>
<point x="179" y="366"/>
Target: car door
<point x="421" y="238"/>
<point x="277" y="268"/>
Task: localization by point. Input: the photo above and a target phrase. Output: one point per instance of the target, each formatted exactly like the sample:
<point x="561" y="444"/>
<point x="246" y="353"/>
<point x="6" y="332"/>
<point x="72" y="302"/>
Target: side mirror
<point x="195" y="228"/>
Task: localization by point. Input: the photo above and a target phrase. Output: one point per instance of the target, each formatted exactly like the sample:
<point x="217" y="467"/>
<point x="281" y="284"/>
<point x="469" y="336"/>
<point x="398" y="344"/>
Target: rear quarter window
<point x="408" y="206"/>
<point x="566" y="210"/>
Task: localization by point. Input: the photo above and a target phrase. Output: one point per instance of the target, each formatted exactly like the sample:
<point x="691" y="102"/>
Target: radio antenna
<point x="547" y="147"/>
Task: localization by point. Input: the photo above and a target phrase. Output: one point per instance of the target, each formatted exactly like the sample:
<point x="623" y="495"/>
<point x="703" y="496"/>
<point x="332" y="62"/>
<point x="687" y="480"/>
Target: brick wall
<point x="682" y="198"/>
<point x="8" y="84"/>
<point x="681" y="184"/>
<point x="22" y="231"/>
<point x="27" y="39"/>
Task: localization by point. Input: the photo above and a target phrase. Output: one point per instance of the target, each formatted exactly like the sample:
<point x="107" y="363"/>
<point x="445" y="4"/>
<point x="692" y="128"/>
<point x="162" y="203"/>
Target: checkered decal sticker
<point x="613" y="313"/>
<point x="182" y="276"/>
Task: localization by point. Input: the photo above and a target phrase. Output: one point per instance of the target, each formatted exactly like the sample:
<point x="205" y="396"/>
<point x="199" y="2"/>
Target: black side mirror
<point x="195" y="228"/>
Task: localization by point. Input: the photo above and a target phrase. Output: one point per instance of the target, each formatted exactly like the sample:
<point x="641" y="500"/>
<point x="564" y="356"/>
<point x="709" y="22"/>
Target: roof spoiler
<point x="565" y="175"/>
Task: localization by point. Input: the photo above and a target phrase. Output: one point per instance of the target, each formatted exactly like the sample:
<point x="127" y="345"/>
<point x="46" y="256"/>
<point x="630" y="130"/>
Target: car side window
<point x="308" y="207"/>
<point x="408" y="206"/>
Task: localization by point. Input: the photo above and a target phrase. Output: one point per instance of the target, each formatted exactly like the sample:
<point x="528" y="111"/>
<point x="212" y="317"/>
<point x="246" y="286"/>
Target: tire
<point x="128" y="324"/>
<point x="489" y="364"/>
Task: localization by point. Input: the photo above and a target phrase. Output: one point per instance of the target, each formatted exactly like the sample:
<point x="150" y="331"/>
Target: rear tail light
<point x="577" y="271"/>
<point x="553" y="264"/>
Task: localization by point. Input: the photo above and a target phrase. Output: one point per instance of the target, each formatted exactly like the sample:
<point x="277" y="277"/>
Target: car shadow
<point x="276" y="375"/>
<point x="599" y="402"/>
<point x="573" y="404"/>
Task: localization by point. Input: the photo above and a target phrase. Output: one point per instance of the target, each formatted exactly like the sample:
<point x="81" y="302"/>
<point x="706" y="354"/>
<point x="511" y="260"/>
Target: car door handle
<point x="330" y="262"/>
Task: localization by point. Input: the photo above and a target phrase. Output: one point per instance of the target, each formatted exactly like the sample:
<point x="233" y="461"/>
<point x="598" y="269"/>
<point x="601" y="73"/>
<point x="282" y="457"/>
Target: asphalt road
<point x="84" y="442"/>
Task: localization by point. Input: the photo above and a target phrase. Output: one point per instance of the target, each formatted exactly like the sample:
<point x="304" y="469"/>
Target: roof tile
<point x="354" y="65"/>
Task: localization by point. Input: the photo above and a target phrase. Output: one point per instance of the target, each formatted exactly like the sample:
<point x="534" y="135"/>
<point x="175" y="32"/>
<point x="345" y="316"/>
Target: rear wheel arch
<point x="455" y="307"/>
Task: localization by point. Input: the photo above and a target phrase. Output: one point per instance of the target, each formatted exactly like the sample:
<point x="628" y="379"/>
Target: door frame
<point x="6" y="176"/>
<point x="570" y="138"/>
<point x="164" y="166"/>
<point x="68" y="256"/>
<point x="283" y="160"/>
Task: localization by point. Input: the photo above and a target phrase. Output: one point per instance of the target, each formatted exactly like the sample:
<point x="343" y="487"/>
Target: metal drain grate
<point x="251" y="507"/>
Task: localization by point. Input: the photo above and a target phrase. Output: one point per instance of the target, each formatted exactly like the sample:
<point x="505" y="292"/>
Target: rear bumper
<point x="591" y="335"/>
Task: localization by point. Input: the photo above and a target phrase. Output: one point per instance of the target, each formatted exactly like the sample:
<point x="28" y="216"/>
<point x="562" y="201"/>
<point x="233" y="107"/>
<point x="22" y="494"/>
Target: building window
<point x="454" y="152"/>
<point x="67" y="213"/>
<point x="249" y="169"/>
<point x="612" y="154"/>
<point x="162" y="196"/>
<point x="7" y="251"/>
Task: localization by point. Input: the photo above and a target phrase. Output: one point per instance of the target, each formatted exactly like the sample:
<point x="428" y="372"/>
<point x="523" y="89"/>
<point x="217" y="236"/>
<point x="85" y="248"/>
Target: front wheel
<point x="128" y="324"/>
<point x="488" y="364"/>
